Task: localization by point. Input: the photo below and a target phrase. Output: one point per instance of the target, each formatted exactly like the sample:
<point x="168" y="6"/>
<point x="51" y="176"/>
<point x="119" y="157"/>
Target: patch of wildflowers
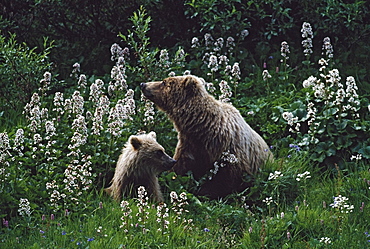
<point x="77" y="103"/>
<point x="268" y="201"/>
<point x="340" y="203"/>
<point x="303" y="176"/>
<point x="163" y="217"/>
<point x="275" y="175"/>
<point x="235" y="74"/>
<point x="285" y="51"/>
<point x="127" y="216"/>
<point x="208" y="39"/>
<point x="226" y="92"/>
<point x="213" y="64"/>
<point x="230" y="43"/>
<point x="325" y="240"/>
<point x="226" y="158"/>
<point x="45" y="83"/>
<point x="24" y="207"/>
<point x="82" y="81"/>
<point x="58" y="104"/>
<point x="307" y="35"/>
<point x="164" y="59"/>
<point x="179" y="203"/>
<point x="195" y="42"/>
<point x="357" y="157"/>
<point x="148" y="111"/>
<point x="244" y="33"/>
<point x="76" y="70"/>
<point x="96" y="90"/>
<point x="327" y="48"/>
<point x="266" y="75"/>
<point x="143" y="207"/>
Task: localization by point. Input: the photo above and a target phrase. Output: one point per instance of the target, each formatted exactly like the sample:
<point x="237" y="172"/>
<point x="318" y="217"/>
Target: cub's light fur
<point x="141" y="161"/>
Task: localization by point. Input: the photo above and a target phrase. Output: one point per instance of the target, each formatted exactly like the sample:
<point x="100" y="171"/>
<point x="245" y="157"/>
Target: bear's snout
<point x="147" y="93"/>
<point x="170" y="163"/>
<point x="142" y="85"/>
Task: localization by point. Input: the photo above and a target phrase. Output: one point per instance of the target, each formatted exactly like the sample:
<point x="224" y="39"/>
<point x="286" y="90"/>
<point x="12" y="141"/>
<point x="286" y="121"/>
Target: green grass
<point x="298" y="217"/>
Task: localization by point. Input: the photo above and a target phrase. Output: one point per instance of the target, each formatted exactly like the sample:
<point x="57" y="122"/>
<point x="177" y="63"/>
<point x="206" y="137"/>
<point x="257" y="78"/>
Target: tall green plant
<point x="21" y="69"/>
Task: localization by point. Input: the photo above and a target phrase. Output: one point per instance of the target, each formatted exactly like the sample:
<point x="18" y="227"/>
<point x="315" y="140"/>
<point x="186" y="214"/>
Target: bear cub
<point x="141" y="161"/>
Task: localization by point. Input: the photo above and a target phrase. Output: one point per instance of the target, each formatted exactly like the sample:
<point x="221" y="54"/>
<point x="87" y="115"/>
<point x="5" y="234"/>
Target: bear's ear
<point x="135" y="142"/>
<point x="190" y="83"/>
<point x="152" y="133"/>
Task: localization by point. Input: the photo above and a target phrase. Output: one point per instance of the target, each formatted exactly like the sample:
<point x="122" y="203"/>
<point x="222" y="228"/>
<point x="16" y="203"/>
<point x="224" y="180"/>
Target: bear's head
<point x="174" y="92"/>
<point x="150" y="155"/>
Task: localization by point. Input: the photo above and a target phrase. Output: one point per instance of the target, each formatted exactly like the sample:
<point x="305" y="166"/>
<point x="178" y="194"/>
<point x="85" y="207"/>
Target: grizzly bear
<point x="141" y="161"/>
<point x="214" y="141"/>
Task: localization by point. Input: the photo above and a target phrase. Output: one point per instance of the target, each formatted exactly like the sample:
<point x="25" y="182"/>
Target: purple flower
<point x="90" y="239"/>
<point x="5" y="223"/>
<point x="42" y="231"/>
<point x="64" y="233"/>
<point x="206" y="230"/>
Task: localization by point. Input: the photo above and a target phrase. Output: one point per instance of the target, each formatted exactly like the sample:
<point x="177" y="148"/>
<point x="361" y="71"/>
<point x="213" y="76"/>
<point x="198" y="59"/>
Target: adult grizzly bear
<point x="209" y="133"/>
<point x="141" y="160"/>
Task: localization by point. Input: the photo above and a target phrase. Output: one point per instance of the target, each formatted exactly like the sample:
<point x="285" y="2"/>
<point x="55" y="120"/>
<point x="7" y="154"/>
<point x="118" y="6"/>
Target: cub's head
<point x="150" y="155"/>
<point x="173" y="92"/>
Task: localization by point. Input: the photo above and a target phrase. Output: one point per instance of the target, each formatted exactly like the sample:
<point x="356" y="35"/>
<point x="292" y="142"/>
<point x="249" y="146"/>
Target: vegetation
<point x="59" y="151"/>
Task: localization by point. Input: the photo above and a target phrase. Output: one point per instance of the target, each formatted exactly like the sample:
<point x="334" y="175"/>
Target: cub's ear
<point x="135" y="142"/>
<point x="152" y="133"/>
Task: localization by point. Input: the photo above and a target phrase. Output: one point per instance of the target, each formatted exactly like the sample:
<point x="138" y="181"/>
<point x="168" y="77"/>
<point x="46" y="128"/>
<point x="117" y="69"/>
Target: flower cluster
<point x="325" y="240"/>
<point x="268" y="201"/>
<point x="78" y="177"/>
<point x="82" y="82"/>
<point x="127" y="216"/>
<point x="55" y="197"/>
<point x="226" y="158"/>
<point x="216" y="56"/>
<point x="163" y="217"/>
<point x="164" y="59"/>
<point x="226" y="92"/>
<point x="357" y="157"/>
<point x="327" y="48"/>
<point x="303" y="176"/>
<point x="76" y="70"/>
<point x="34" y="113"/>
<point x="24" y="207"/>
<point x="45" y="83"/>
<point x="291" y="119"/>
<point x="285" y="51"/>
<point x="328" y="98"/>
<point x="275" y="175"/>
<point x="178" y="203"/>
<point x="266" y="75"/>
<point x="340" y="203"/>
<point x="118" y="72"/>
<point x="143" y="208"/>
<point x="307" y="35"/>
<point x="4" y="150"/>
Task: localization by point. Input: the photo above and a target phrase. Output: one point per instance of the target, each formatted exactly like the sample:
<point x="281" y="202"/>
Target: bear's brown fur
<point x="208" y="130"/>
<point x="141" y="161"/>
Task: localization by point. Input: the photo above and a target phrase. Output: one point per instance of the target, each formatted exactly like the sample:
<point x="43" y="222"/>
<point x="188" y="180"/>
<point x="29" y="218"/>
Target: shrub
<point x="20" y="70"/>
